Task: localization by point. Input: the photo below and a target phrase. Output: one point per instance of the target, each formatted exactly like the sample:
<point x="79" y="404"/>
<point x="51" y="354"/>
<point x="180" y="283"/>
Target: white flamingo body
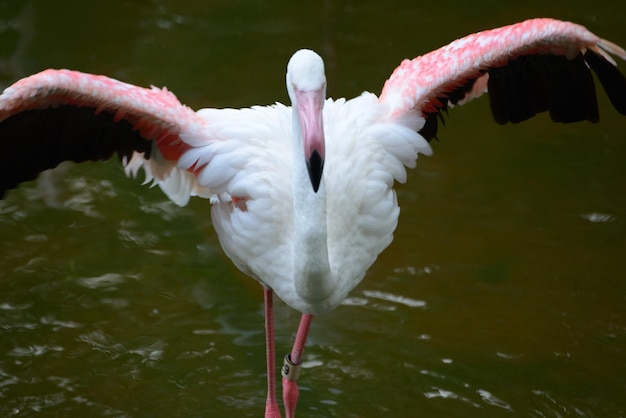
<point x="302" y="196"/>
<point x="257" y="230"/>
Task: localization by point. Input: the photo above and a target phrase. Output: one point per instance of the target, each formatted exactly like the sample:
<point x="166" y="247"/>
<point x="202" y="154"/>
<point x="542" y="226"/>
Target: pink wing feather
<point x="156" y="113"/>
<point x="460" y="69"/>
<point x="150" y="115"/>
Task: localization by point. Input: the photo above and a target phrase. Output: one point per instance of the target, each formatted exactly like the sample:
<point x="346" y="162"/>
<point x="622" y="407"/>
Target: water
<point x="503" y="293"/>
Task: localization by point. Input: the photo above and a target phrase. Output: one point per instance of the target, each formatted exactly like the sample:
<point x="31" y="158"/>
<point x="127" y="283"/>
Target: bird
<point x="302" y="196"/>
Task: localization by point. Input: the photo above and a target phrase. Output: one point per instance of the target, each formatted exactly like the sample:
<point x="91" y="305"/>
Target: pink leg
<point x="291" y="368"/>
<point x="271" y="406"/>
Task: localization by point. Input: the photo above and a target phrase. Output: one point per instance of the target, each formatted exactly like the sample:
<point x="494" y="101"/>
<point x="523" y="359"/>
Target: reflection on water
<point x="502" y="294"/>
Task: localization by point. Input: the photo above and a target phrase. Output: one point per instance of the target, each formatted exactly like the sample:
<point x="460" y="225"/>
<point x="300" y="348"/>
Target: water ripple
<point x="146" y="239"/>
<point x="485" y="396"/>
<point x="597" y="217"/>
<point x="436" y="392"/>
<point x="99" y="341"/>
<point x="35" y="350"/>
<point x="493" y="400"/>
<point x="107" y="280"/>
<point x="373" y="297"/>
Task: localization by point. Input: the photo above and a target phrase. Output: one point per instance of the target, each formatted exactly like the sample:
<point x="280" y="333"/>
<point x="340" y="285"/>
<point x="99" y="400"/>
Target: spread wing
<point x="526" y="68"/>
<point x="60" y="115"/>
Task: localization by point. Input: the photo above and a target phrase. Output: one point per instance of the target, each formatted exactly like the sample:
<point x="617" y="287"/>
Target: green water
<point x="503" y="294"/>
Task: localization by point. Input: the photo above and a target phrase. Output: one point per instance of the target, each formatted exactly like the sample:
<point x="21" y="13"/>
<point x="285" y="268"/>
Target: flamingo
<point x="302" y="196"/>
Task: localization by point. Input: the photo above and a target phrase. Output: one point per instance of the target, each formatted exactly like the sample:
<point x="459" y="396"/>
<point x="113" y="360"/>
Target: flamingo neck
<point x="312" y="277"/>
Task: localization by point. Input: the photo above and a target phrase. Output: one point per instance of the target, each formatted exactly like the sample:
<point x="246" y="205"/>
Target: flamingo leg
<point x="271" y="405"/>
<point x="291" y="367"/>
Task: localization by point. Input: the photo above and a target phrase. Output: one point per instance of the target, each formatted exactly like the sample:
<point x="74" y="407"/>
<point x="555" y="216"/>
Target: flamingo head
<point x="306" y="84"/>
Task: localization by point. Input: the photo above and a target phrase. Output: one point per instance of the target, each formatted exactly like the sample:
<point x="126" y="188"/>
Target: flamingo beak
<point x="310" y="106"/>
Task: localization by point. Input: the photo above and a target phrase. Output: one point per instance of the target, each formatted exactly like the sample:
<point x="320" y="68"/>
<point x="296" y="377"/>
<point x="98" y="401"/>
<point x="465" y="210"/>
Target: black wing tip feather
<point x="431" y="126"/>
<point x="537" y="83"/>
<point x="532" y="84"/>
<point x="37" y="140"/>
<point x="611" y="79"/>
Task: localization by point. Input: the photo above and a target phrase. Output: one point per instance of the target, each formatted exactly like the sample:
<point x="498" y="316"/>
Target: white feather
<point x="243" y="161"/>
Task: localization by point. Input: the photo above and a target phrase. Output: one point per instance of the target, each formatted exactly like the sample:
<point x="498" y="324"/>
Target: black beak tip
<point x="315" y="166"/>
